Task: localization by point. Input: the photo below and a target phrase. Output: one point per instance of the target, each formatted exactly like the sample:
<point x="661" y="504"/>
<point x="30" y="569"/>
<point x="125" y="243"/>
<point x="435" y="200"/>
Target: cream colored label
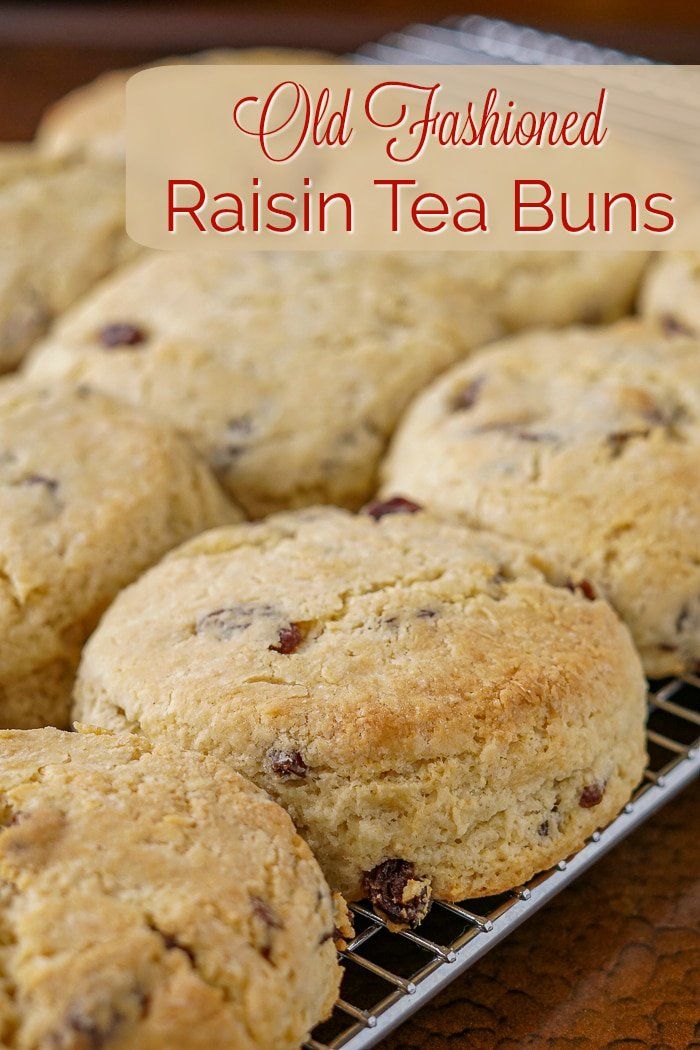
<point x="413" y="157"/>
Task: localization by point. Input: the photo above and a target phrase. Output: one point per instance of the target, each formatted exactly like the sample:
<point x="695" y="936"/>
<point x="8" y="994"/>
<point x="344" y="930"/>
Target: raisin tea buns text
<point x="437" y="718"/>
<point x="152" y="900"/>
<point x="16" y="159"/>
<point x="587" y="444"/>
<point x="92" y="492"/>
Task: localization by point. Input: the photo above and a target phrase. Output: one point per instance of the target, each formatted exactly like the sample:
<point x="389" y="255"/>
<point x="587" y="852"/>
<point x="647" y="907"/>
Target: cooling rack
<point x="479" y="41"/>
<point x="388" y="976"/>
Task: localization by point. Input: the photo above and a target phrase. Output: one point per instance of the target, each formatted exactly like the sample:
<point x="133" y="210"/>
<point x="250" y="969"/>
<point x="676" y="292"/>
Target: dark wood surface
<point x="614" y="962"/>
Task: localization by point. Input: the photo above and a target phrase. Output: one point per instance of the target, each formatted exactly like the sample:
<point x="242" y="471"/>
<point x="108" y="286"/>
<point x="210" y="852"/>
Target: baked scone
<point x="152" y="900"/>
<point x="523" y="290"/>
<point x="62" y="229"/>
<point x="90" y="120"/>
<point x="671" y="292"/>
<point x="586" y="443"/>
<point x="288" y="371"/>
<point x="436" y="717"/>
<point x="91" y="493"/>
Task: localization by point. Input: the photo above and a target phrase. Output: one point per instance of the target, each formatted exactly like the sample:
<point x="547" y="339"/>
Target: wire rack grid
<point x="388" y="976"/>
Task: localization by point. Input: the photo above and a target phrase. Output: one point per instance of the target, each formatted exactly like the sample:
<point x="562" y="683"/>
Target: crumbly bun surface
<point x="16" y="158"/>
<point x="523" y="290"/>
<point x="152" y="900"/>
<point x="92" y="492"/>
<point x="290" y="370"/>
<point x="287" y="370"/>
<point x="62" y="227"/>
<point x="587" y="444"/>
<point x="413" y="693"/>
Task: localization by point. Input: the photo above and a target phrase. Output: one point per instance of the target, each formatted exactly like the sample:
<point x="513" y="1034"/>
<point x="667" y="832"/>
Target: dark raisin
<point x="543" y="829"/>
<point x="240" y="425"/>
<point x="236" y="442"/>
<point x="591" y="795"/>
<point x="426" y="614"/>
<point x="396" y="505"/>
<point x="225" y="622"/>
<point x="672" y="326"/>
<point x="682" y="619"/>
<point x="659" y="418"/>
<point x="619" y="439"/>
<point x="90" y="1034"/>
<point x="121" y="333"/>
<point x="269" y="921"/>
<point x="50" y="484"/>
<point x="286" y="765"/>
<point x="585" y="587"/>
<point x="395" y="890"/>
<point x="173" y="943"/>
<point x="265" y="913"/>
<point x="290" y="638"/>
<point x="468" y="396"/>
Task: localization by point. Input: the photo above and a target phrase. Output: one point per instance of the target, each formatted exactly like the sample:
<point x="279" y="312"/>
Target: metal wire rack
<point x="388" y="976"/>
<point x="477" y="41"/>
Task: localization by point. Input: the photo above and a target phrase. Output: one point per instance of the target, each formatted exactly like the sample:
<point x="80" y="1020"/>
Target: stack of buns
<point x="322" y="577"/>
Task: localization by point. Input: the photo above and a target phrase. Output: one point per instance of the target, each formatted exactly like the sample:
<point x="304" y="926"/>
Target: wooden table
<point x="614" y="961"/>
